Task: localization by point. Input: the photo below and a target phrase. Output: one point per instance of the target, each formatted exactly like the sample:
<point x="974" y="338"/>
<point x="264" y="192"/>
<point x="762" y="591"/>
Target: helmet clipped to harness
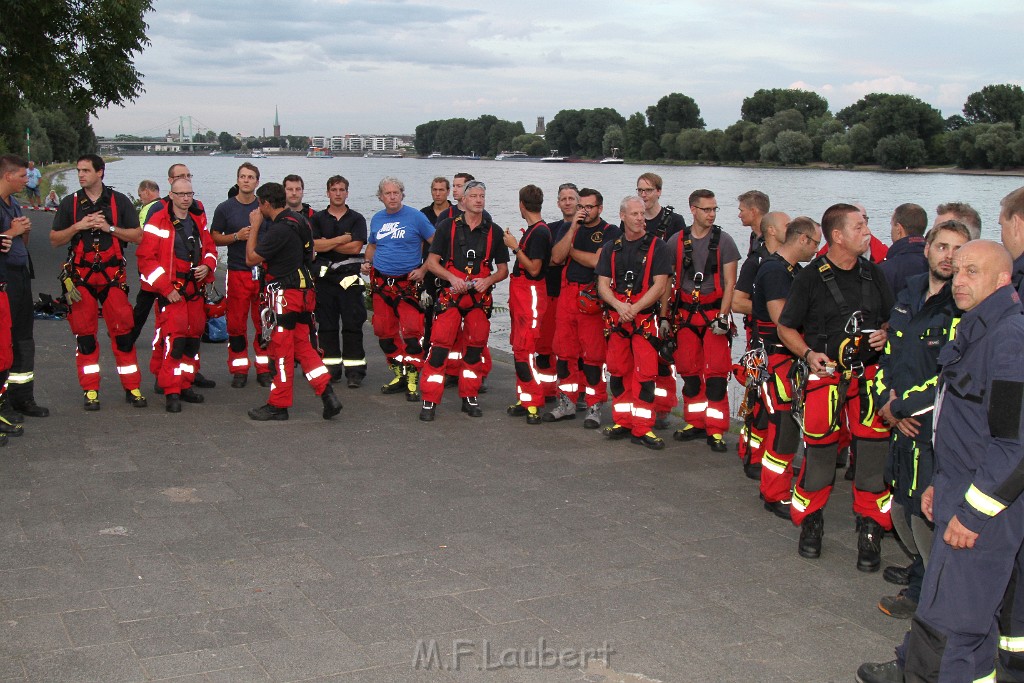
<point x="214" y="302"/>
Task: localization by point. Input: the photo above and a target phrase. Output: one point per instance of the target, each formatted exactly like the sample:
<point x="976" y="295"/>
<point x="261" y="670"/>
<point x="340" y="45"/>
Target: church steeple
<point x="277" y="123"/>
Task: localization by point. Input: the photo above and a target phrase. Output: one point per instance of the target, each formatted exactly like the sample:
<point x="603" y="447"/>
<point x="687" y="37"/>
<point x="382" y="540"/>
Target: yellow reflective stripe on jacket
<point x="982" y="502"/>
<point x="1011" y="644"/>
<point x="990" y="678"/>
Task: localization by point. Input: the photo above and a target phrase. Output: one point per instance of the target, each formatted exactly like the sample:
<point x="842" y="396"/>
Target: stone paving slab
<point x="138" y="545"/>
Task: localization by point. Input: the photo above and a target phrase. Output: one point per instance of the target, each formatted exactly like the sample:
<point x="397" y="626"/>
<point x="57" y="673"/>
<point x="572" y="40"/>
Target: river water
<point x="795" y="191"/>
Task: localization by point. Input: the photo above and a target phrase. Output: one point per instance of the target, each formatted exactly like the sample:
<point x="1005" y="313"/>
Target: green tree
<point x="886" y="114"/>
<point x="794" y="147"/>
<point x="998" y="142"/>
<point x="62" y="134"/>
<point x="227" y="141"/>
<point x="711" y="142"/>
<point x="71" y="51"/>
<point x="787" y="119"/>
<point x="614" y="139"/>
<point x="673" y="113"/>
<point x="426" y="137"/>
<point x="820" y="129"/>
<point x="533" y="145"/>
<point x="862" y="143"/>
<point x="635" y="133"/>
<point x="650" y="150"/>
<point x="836" y="152"/>
<point x="996" y="104"/>
<point x="769" y="102"/>
<point x="671" y="150"/>
<point x="900" y="151"/>
<point x="562" y="130"/>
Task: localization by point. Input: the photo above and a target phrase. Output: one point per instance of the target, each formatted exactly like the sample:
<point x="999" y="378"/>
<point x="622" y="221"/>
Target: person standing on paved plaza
<point x="750" y="445"/>
<point x="32" y="179"/>
<point x="96" y="223"/>
<point x="394" y="261"/>
<point x="177" y="257"/>
<point x="974" y="499"/>
<point x="21" y="377"/>
<point x="705" y="260"/>
<point x="7" y="427"/>
<point x="288" y="252"/>
<point x="579" y="344"/>
<point x="833" y="322"/>
<point x="528" y="301"/>
<point x="568" y="204"/>
<point x="230" y="228"/>
<point x="922" y="321"/>
<point x="771" y="289"/>
<point x="632" y="276"/>
<point x="339" y="234"/>
<point x="470" y="257"/>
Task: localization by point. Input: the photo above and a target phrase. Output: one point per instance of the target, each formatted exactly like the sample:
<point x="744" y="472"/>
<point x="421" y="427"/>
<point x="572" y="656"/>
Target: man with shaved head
<point x="974" y="499"/>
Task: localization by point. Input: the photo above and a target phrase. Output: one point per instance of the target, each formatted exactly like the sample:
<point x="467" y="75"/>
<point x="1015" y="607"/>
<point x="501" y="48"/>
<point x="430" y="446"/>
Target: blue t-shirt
<point x="34" y="176"/>
<point x="399" y="238"/>
<point x="18" y="255"/>
<point x="230" y="217"/>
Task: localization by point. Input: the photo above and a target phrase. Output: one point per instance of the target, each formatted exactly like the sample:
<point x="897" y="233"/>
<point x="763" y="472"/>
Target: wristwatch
<point x="515" y="251"/>
<point x="112" y="229"/>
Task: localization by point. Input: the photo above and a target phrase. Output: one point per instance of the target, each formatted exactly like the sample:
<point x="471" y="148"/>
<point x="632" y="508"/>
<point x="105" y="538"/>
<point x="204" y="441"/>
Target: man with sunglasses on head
<point x="698" y="310"/>
<point x="580" y="344"/>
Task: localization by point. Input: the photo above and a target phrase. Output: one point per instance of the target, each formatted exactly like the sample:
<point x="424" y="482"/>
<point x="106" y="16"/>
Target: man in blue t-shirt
<point x="394" y="260"/>
<point x="230" y="228"/>
<point x="32" y="178"/>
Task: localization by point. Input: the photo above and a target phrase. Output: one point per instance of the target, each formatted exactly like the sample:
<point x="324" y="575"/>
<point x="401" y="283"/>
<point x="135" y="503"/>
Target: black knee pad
<point x="236" y="342"/>
<point x="543" y="361"/>
<point x="473" y="355"/>
<point x="178" y="347"/>
<point x="787" y="436"/>
<point x="592" y="373"/>
<point x="388" y="346"/>
<point x="562" y="367"/>
<point x="819" y="467"/>
<point x="438" y="356"/>
<point x="124" y="342"/>
<point x="691" y="386"/>
<point x="413" y="346"/>
<point x="86" y="344"/>
<point x="192" y="346"/>
<point x="870" y="472"/>
<point x="715" y="388"/>
<point x="646" y="392"/>
<point x="523" y="371"/>
<point x="616" y="387"/>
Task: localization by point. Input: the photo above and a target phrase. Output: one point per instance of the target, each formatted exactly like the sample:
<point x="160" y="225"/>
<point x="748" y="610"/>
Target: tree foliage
<point x="76" y="51"/>
<point x="580" y="132"/>
<point x="996" y="104"/>
<point x="673" y="113"/>
<point x="900" y="151"/>
<point x="765" y="103"/>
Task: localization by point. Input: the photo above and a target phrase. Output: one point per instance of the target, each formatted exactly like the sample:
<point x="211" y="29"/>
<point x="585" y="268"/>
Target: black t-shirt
<point x="554" y="272"/>
<point x="466" y="240"/>
<point x="326" y="226"/>
<point x="435" y="218"/>
<point x="115" y="207"/>
<point x="673" y="223"/>
<point x="631" y="262"/>
<point x="589" y="240"/>
<point x="286" y="243"/>
<point x="536" y="242"/>
<point x="774" y="280"/>
<point x="229" y="217"/>
<point x="186" y="240"/>
<point x="748" y="271"/>
<point x="812" y="309"/>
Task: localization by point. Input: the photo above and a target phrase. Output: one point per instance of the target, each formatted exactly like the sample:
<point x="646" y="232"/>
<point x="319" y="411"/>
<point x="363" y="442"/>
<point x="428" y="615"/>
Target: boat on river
<point x="515" y="156"/>
<point x="554" y="158"/>
<point x="613" y="159"/>
<point x="319" y="153"/>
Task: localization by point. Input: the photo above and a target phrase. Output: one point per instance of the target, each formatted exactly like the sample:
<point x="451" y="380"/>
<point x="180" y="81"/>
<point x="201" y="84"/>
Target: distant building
<point x="540" y="126"/>
<point x="277" y="123"/>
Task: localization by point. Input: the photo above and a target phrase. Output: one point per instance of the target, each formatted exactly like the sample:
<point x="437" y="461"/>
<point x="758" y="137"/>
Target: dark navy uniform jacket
<point x="904" y="259"/>
<point x="979" y="441"/>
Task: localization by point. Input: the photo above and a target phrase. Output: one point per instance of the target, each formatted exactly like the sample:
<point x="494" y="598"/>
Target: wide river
<point x="795" y="191"/>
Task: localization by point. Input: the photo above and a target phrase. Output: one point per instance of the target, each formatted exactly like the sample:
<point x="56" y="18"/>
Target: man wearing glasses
<point x="176" y="258"/>
<point x="662" y="221"/>
<point x="579" y="326"/>
<point x="96" y="222"/>
<point x="144" y="300"/>
<point x="705" y="259"/>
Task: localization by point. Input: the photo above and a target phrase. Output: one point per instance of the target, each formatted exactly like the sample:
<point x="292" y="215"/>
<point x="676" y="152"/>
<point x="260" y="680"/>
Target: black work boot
<point x="869" y="545"/>
<point x="332" y="406"/>
<point x="811" y="531"/>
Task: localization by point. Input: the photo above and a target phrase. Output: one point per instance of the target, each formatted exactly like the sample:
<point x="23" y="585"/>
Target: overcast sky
<point x="364" y="66"/>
